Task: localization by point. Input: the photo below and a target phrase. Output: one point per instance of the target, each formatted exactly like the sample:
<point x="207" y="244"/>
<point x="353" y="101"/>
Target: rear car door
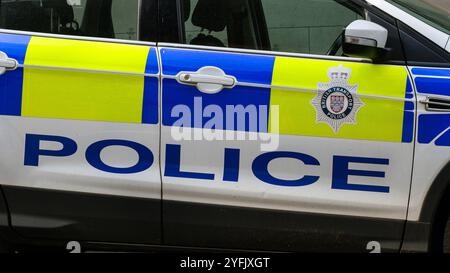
<point x="79" y="124"/>
<point x="289" y="149"/>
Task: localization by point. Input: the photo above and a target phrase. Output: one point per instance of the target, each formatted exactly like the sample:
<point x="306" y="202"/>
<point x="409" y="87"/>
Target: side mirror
<point x="365" y="39"/>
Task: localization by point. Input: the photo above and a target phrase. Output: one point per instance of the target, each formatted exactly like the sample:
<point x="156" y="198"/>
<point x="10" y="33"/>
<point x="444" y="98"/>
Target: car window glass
<point x="306" y="26"/>
<point x="219" y="23"/>
<point x="95" y="18"/>
<point x="434" y="12"/>
<point x="301" y="26"/>
<point x="195" y="33"/>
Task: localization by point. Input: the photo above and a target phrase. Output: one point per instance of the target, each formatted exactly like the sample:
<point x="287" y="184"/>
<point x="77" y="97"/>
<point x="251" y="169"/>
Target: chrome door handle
<point x="6" y="63"/>
<point x="436" y="104"/>
<point x="208" y="79"/>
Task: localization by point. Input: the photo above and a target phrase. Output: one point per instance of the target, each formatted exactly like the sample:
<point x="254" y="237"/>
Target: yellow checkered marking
<point x="380" y="119"/>
<point x="84" y="95"/>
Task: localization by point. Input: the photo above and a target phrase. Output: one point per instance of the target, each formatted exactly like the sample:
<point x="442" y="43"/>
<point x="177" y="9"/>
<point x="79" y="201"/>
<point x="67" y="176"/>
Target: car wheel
<point x="446" y="237"/>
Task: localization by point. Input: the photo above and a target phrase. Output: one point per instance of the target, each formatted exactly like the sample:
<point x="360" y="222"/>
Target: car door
<point x="429" y="65"/>
<point x="289" y="149"/>
<point x="79" y="124"/>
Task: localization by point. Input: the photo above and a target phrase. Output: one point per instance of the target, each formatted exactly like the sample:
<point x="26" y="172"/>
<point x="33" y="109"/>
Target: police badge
<point x="336" y="102"/>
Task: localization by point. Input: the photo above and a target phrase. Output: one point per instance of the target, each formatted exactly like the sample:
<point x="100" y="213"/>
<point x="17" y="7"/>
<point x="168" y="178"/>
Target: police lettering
<point x="260" y="166"/>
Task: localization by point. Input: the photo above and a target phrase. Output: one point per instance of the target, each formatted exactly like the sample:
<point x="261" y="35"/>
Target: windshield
<point x="434" y="12"/>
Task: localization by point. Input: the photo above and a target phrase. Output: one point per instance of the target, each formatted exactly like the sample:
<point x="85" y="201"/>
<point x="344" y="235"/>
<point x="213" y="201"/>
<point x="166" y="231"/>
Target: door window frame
<point x="351" y="4"/>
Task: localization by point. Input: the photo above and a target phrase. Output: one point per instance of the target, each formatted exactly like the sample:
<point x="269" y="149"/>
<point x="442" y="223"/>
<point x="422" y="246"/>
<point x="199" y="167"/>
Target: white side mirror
<point x="365" y="39"/>
<point x="362" y="32"/>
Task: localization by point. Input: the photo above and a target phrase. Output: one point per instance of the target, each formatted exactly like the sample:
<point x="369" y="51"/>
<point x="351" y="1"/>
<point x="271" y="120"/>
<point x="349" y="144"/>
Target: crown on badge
<point x="339" y="73"/>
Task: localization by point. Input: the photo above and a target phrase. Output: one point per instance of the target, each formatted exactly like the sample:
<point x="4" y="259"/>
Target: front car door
<point x="292" y="149"/>
<point x="425" y="33"/>
<point x="79" y="126"/>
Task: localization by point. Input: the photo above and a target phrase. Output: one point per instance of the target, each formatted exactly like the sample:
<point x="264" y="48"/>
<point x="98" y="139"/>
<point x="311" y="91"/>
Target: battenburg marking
<point x="336" y="102"/>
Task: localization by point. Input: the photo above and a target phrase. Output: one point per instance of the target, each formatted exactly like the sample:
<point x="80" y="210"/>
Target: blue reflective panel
<point x="15" y="46"/>
<point x="200" y="107"/>
<point x="444" y="140"/>
<point x="437" y="86"/>
<point x="431" y="126"/>
<point x="431" y="72"/>
<point x="246" y="68"/>
<point x="408" y="127"/>
<point x="11" y="83"/>
<point x="152" y="62"/>
<point x="150" y="101"/>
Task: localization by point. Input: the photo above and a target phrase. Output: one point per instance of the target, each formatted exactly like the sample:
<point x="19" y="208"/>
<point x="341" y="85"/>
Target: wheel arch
<point x="437" y="196"/>
<point x="426" y="234"/>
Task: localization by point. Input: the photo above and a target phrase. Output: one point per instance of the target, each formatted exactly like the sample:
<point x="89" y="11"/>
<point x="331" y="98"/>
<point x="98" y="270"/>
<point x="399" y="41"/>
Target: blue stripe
<point x="431" y="126"/>
<point x="176" y="96"/>
<point x="409" y="96"/>
<point x="409" y="88"/>
<point x="444" y="140"/>
<point x="15" y="46"/>
<point x="152" y="62"/>
<point x="11" y="93"/>
<point x="437" y="86"/>
<point x="151" y="90"/>
<point x="11" y="83"/>
<point x="408" y="127"/>
<point x="431" y="72"/>
<point x="409" y="106"/>
<point x="408" y="117"/>
<point x="246" y="68"/>
<point x="150" y="101"/>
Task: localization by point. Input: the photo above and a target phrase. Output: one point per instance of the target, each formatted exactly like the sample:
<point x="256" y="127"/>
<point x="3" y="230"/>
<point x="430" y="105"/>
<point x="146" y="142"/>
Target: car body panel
<point x="68" y="94"/>
<point x="433" y="134"/>
<point x="296" y="177"/>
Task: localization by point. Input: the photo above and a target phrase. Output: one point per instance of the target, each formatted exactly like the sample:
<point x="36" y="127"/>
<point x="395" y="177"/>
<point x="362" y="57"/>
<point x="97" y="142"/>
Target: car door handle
<point x="6" y="63"/>
<point x="194" y="78"/>
<point x="208" y="79"/>
<point x="436" y="104"/>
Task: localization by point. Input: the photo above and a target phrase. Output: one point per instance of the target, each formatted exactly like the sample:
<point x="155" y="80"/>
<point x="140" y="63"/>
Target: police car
<point x="295" y="125"/>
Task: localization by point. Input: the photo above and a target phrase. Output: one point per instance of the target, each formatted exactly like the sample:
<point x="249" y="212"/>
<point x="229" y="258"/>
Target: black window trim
<point x="148" y="23"/>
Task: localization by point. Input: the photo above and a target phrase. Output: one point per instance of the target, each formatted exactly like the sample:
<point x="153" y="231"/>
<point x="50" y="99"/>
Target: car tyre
<point x="446" y="237"/>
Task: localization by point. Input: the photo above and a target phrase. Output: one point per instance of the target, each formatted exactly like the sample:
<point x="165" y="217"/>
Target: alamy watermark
<point x="230" y="123"/>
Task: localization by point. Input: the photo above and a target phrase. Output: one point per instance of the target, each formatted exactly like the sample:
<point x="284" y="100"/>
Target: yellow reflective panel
<point x="66" y="53"/>
<point x="380" y="80"/>
<point x="379" y="119"/>
<point x="82" y="95"/>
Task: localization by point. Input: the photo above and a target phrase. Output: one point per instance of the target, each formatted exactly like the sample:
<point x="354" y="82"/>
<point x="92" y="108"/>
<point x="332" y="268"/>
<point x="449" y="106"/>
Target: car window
<point x="96" y="18"/>
<point x="195" y="29"/>
<point x="219" y="23"/>
<point x="306" y="26"/>
<point x="434" y="12"/>
<point x="301" y="26"/>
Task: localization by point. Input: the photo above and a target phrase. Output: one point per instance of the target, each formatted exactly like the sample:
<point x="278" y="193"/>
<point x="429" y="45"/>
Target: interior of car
<point x="224" y="23"/>
<point x="252" y="24"/>
<point x="246" y="24"/>
<point x="56" y="16"/>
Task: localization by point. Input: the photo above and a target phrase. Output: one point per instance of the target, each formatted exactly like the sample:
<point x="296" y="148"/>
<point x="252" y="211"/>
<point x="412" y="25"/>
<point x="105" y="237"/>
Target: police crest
<point x="336" y="102"/>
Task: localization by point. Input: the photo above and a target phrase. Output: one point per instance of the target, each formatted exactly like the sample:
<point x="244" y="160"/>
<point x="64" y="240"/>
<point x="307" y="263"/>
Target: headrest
<point x="209" y="40"/>
<point x="211" y="15"/>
